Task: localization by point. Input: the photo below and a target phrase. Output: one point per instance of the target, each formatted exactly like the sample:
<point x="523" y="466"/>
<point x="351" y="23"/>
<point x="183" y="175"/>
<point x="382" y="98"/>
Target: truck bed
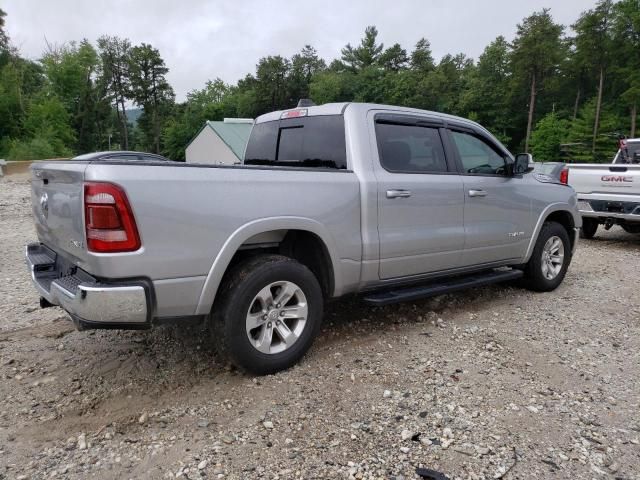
<point x="187" y="213"/>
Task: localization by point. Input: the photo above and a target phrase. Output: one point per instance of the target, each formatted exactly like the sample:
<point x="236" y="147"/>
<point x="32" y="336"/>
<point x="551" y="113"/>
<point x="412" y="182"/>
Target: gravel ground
<point x="495" y="383"/>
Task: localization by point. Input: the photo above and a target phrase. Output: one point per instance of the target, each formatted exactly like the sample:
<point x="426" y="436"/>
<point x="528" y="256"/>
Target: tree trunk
<point x="576" y="105"/>
<point x="156" y="130"/>
<point x="596" y="122"/>
<point x="634" y="112"/>
<point x="156" y="119"/>
<point x="125" y="130"/>
<point x="83" y="112"/>
<point x="532" y="101"/>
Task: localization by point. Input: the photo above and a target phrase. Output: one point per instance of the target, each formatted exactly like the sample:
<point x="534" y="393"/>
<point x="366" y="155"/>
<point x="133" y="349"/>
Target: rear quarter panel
<point x="191" y="218"/>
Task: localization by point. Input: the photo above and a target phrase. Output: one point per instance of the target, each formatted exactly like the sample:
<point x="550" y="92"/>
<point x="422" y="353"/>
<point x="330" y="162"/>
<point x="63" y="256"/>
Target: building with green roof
<point x="220" y="143"/>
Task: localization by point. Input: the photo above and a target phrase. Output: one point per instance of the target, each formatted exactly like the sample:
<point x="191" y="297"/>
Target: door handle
<point x="477" y="193"/>
<point x="398" y="193"/>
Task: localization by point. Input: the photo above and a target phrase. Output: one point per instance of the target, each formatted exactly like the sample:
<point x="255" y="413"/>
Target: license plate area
<point x="615" y="207"/>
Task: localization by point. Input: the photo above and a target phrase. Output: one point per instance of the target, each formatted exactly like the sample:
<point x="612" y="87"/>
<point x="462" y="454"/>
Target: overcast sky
<point x="205" y="39"/>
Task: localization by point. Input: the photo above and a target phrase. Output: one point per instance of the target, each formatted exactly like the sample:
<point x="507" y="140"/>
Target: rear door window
<point x="410" y="148"/>
<point x="317" y="141"/>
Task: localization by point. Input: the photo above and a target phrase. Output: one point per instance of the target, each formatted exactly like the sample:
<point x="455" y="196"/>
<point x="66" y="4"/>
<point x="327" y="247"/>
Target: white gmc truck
<point x="609" y="194"/>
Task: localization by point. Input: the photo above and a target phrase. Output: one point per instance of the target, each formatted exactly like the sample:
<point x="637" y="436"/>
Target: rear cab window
<point x="629" y="153"/>
<point x="314" y="141"/>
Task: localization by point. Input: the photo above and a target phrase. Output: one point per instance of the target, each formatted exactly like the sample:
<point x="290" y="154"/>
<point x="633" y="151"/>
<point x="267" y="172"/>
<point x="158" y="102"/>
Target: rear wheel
<point x="589" y="228"/>
<point x="550" y="258"/>
<point x="631" y="227"/>
<point x="268" y="313"/>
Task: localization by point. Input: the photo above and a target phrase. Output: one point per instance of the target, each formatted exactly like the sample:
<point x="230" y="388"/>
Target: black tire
<point x="589" y="228"/>
<point x="534" y="278"/>
<point x="237" y="295"/>
<point x="631" y="227"/>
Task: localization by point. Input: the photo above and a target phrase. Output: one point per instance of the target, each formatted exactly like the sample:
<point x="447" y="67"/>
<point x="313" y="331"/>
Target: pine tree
<point x="537" y="52"/>
<point x="150" y="90"/>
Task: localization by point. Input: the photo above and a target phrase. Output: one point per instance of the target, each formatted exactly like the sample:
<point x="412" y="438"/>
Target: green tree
<point x="47" y="128"/>
<point x="115" y="53"/>
<point x="421" y="57"/>
<point x="626" y="45"/>
<point x="394" y="58"/>
<point x="448" y="82"/>
<point x="151" y="91"/>
<point x="547" y="138"/>
<point x="331" y="86"/>
<point x="304" y="66"/>
<point x="20" y="80"/>
<point x="485" y="98"/>
<point x="580" y="134"/>
<point x="593" y="49"/>
<point x="214" y="102"/>
<point x="71" y="71"/>
<point x="11" y="101"/>
<point x="367" y="54"/>
<point x="4" y="38"/>
<point x="538" y="50"/>
<point x="271" y="84"/>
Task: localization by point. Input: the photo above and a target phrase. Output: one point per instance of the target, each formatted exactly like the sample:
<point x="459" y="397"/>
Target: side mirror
<point x="523" y="163"/>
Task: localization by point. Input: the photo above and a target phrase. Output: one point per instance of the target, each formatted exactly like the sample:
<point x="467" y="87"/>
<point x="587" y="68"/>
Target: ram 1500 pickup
<point x="387" y="202"/>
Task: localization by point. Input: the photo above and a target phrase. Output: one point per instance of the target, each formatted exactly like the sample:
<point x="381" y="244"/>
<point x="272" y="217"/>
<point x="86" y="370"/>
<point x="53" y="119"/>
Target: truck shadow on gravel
<point x="629" y="242"/>
<point x="177" y="357"/>
<point x="615" y="238"/>
<point x="116" y="375"/>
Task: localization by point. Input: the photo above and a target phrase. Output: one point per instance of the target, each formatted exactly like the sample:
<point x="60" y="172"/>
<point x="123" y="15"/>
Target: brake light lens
<point x="109" y="223"/>
<point x="564" y="176"/>
<point x="300" y="112"/>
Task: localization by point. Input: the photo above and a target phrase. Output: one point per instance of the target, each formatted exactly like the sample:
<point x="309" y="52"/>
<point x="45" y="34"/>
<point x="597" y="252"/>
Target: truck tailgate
<point x="56" y="200"/>
<point x="606" y="179"/>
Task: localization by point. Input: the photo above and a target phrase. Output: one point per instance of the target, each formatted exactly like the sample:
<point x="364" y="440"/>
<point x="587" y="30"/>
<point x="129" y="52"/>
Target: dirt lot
<point x="499" y="382"/>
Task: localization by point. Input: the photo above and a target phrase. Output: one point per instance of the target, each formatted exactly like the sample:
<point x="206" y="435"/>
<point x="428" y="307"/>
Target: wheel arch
<point x="298" y="237"/>
<point x="561" y="213"/>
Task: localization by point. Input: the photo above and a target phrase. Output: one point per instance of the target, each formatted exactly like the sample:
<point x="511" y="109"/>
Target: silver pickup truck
<point x="387" y="202"/>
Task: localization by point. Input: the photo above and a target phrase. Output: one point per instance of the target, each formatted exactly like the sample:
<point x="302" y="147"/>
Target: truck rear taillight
<point x="564" y="176"/>
<point x="108" y="219"/>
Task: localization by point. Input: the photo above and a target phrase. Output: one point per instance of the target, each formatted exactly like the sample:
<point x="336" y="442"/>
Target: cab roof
<point x="340" y="108"/>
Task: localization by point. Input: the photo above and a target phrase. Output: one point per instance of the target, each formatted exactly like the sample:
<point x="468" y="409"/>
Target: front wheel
<point x="268" y="313"/>
<point x="550" y="258"/>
